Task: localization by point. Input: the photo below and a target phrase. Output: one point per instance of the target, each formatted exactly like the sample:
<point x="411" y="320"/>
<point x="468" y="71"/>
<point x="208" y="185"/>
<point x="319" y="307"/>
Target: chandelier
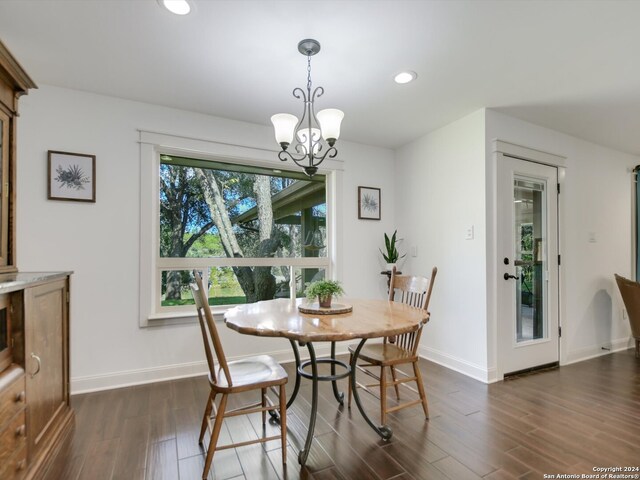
<point x="310" y="131"/>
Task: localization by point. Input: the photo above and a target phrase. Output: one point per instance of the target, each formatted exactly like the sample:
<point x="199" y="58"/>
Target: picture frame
<point x="71" y="176"/>
<point x="369" y="206"/>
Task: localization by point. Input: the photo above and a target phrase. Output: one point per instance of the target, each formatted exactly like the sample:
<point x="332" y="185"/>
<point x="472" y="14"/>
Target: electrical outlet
<point x="414" y="251"/>
<point x="624" y="313"/>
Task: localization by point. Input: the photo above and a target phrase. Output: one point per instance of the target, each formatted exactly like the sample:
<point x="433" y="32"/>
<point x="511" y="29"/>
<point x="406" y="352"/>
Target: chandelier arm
<point x="318" y="92"/>
<point x="300" y="95"/>
<point x="283" y="154"/>
<point x="331" y="153"/>
<point x="301" y="148"/>
<point x="297" y="161"/>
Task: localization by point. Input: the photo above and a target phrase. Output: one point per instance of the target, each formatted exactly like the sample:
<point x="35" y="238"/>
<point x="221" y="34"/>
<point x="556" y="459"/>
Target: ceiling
<point x="568" y="65"/>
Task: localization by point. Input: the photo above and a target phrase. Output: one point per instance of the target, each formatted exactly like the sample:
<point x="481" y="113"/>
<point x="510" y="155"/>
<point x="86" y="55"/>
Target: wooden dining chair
<point x="398" y="350"/>
<point x="261" y="373"/>
<point x="630" y="292"/>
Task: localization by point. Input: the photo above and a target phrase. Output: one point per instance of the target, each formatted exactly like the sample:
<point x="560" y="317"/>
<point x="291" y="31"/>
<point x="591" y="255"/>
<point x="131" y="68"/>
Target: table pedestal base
<point x="349" y="371"/>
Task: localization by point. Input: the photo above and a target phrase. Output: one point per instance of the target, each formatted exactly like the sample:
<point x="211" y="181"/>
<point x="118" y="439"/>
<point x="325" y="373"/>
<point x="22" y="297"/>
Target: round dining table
<point x="368" y="319"/>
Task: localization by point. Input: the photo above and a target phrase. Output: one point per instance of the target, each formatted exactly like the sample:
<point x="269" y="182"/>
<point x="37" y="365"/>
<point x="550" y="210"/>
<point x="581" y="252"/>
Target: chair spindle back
<point x="414" y="291"/>
<point x="212" y="344"/>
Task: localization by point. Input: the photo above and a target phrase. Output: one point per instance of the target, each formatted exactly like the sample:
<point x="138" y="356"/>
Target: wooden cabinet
<point x="46" y="361"/>
<point x="13" y="431"/>
<point x="14" y="82"/>
<point x="35" y="416"/>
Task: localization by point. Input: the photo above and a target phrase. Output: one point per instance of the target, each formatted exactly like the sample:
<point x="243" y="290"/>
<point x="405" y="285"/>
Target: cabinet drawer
<point x="13" y="438"/>
<point x="16" y="467"/>
<point x="12" y="400"/>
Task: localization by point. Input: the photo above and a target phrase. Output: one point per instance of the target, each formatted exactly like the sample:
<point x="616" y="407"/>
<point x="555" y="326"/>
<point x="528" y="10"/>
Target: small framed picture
<point x="369" y="203"/>
<point x="71" y="176"/>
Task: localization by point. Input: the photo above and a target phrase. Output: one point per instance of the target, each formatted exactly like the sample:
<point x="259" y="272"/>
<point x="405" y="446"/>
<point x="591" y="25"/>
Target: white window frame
<point x="152" y="146"/>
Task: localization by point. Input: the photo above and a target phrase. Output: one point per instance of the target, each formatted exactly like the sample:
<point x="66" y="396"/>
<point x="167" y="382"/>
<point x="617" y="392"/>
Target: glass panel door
<point x="530" y="260"/>
<point x="527" y="280"/>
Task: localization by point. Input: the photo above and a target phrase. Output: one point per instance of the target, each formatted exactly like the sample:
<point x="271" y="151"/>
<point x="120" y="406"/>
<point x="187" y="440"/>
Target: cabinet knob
<point x="21" y="465"/>
<point x="20" y="397"/>
<point x="21" y="431"/>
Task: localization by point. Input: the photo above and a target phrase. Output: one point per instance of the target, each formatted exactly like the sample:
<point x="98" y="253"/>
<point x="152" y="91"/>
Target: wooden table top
<point x="281" y="318"/>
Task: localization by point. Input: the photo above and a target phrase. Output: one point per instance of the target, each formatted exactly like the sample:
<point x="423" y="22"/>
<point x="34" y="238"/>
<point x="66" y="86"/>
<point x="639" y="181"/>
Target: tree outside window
<point x="214" y="210"/>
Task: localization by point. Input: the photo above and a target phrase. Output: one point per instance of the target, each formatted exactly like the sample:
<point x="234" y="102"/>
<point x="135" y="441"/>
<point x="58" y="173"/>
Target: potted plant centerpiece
<point x="392" y="256"/>
<point x="324" y="291"/>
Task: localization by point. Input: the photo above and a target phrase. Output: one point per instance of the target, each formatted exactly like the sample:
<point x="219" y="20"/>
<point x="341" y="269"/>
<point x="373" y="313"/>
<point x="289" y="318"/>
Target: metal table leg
<point x="303" y="454"/>
<point x="296" y="387"/>
<point x="315" y="378"/>
<point x="384" y="431"/>
<point x="336" y="393"/>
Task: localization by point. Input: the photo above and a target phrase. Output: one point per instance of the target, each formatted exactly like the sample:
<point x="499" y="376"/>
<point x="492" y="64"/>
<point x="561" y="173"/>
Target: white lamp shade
<point x="330" y="120"/>
<point x="284" y="125"/>
<point x="179" y="7"/>
<point x="303" y="138"/>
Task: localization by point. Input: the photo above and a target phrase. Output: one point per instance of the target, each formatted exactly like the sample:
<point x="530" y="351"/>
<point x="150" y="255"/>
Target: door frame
<point x="495" y="365"/>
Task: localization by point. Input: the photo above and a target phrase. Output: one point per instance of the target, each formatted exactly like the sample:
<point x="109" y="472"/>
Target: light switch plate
<point x="468" y="235"/>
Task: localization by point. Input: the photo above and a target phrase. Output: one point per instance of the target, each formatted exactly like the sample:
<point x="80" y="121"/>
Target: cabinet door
<point x="46" y="328"/>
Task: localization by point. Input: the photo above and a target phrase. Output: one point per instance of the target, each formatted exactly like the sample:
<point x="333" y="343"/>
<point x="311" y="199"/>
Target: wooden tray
<point x="315" y="309"/>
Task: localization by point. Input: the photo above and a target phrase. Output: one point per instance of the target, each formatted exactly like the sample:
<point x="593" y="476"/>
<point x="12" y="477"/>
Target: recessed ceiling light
<point x="405" y="77"/>
<point x="179" y="7"/>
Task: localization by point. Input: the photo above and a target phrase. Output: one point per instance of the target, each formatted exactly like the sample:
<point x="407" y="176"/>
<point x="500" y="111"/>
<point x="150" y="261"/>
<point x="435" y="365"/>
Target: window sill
<point x="181" y="318"/>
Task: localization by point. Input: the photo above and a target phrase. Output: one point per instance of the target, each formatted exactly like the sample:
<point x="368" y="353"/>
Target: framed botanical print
<point x="369" y="203"/>
<point x="71" y="176"/>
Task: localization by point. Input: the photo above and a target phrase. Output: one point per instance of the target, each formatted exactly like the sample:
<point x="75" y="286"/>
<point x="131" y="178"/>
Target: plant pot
<point x="325" y="302"/>
<point x="390" y="266"/>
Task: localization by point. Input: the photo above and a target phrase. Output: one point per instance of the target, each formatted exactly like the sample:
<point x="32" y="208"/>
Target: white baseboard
<point x="454" y="363"/>
<point x="585" y="353"/>
<point x="128" y="378"/>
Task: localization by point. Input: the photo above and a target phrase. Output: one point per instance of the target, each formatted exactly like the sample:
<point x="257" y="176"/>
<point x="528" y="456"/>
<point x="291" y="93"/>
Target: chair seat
<point x="383" y="354"/>
<point x="249" y="372"/>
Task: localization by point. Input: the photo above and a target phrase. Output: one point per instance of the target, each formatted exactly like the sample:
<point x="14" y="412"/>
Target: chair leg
<point x="395" y="379"/>
<point x="423" y="395"/>
<point x="349" y="384"/>
<point x="283" y="423"/>
<point x="207" y="414"/>
<point x="383" y="396"/>
<point x="213" y="441"/>
<point x="263" y="400"/>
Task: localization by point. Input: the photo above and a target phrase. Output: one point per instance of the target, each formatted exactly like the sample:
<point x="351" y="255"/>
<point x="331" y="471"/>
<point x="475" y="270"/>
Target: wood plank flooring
<point x="564" y="421"/>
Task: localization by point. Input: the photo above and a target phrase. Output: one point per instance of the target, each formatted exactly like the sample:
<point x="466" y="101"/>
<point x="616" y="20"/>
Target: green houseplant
<point x="324" y="290"/>
<point x="392" y="255"/>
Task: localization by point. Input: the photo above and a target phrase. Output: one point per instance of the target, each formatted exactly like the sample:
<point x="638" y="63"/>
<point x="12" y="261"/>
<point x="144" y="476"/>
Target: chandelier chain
<point x="309" y="73"/>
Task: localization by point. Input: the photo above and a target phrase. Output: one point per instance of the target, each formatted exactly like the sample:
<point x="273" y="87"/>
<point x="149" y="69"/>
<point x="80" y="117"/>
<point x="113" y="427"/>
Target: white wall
<point x="440" y="192"/>
<point x="596" y="197"/>
<point x="100" y="242"/>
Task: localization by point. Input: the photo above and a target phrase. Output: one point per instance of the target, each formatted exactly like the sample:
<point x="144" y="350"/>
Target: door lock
<point x="507" y="277"/>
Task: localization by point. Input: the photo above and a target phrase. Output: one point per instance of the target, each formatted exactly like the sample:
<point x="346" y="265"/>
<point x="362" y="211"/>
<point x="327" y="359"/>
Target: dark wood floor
<point x="567" y="421"/>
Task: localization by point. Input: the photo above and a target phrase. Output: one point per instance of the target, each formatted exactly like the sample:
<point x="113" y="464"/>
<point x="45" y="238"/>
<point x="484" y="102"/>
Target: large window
<point x="254" y="233"/>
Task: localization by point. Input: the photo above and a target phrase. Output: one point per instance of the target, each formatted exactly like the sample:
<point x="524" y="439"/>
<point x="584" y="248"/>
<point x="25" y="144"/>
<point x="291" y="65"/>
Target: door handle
<point x="507" y="277"/>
